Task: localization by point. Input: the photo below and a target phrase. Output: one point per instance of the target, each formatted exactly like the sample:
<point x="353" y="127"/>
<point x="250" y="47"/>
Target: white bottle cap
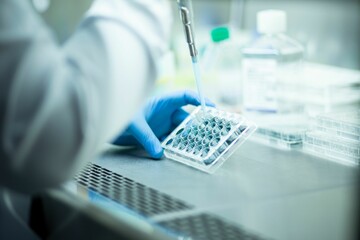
<point x="271" y="21"/>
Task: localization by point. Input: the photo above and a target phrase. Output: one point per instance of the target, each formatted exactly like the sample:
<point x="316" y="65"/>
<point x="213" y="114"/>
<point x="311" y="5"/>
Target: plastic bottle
<point x="272" y="59"/>
<point x="222" y="59"/>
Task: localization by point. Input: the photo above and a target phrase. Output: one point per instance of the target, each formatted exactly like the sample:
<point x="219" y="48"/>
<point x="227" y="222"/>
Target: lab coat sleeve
<point x="59" y="104"/>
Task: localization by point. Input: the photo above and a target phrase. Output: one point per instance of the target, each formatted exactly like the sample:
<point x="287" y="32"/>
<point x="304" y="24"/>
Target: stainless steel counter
<point x="276" y="194"/>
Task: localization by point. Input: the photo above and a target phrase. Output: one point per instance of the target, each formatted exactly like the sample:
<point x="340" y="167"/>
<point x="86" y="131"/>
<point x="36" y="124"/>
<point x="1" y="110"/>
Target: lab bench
<point x="258" y="193"/>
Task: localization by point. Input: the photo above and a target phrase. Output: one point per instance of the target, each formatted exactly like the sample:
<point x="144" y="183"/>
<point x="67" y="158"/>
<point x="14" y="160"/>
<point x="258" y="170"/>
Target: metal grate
<point x="206" y="226"/>
<point x="138" y="197"/>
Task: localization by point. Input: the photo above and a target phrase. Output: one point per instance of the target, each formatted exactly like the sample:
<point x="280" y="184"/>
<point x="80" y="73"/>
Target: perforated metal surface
<point x="138" y="197"/>
<point x="150" y="202"/>
<point x="207" y="227"/>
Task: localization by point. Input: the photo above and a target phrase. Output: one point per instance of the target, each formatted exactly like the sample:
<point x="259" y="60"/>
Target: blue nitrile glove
<point x="159" y="117"/>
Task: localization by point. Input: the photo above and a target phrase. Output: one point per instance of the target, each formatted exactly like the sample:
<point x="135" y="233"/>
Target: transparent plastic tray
<point x="315" y="110"/>
<point x="338" y="133"/>
<point x="205" y="140"/>
<point x="322" y="95"/>
<point x="322" y="85"/>
<point x="286" y="134"/>
<point x="325" y="145"/>
<point x="277" y="143"/>
<point x="288" y="139"/>
<point x="344" y="124"/>
<point x="284" y="131"/>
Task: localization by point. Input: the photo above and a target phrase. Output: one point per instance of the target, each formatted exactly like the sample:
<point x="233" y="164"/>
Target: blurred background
<point x="328" y="28"/>
<point x="324" y="34"/>
<point x="317" y="108"/>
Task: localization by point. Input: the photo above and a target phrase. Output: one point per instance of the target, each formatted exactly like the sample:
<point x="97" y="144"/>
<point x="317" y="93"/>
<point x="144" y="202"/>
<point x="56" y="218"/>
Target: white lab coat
<point x="59" y="104"/>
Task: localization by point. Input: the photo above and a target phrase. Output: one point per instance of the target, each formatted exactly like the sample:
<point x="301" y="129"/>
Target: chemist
<point x="60" y="104"/>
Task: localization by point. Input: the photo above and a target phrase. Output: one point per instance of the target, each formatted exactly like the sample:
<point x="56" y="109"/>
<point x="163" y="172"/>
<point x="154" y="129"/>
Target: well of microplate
<point x="206" y="138"/>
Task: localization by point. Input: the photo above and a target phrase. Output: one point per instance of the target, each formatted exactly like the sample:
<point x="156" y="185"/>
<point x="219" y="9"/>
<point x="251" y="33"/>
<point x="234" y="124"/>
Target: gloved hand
<point x="159" y="117"/>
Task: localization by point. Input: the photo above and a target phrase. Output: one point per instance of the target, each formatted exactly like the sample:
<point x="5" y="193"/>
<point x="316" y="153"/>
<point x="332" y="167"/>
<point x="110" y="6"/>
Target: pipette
<point x="185" y="9"/>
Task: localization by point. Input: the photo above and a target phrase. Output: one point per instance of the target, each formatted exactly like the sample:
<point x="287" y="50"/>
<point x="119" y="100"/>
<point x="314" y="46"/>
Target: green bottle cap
<point x="220" y="34"/>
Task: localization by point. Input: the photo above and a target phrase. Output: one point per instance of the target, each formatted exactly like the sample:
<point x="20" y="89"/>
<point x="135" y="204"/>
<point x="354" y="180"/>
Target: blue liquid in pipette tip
<point x="197" y="75"/>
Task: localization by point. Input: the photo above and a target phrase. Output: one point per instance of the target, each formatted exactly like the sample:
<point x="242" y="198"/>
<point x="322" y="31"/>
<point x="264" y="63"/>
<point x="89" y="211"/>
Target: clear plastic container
<point x="335" y="148"/>
<point x="323" y="89"/>
<point x="343" y="124"/>
<point x="288" y="138"/>
<point x="222" y="60"/>
<point x="324" y="94"/>
<point x="205" y="140"/>
<point x="284" y="131"/>
<point x="271" y="58"/>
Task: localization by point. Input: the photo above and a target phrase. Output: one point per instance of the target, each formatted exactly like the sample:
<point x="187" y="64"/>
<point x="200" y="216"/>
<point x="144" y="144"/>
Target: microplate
<point x="335" y="148"/>
<point x="283" y="138"/>
<point x="205" y="139"/>
<point x="343" y="124"/>
<point x="283" y="131"/>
